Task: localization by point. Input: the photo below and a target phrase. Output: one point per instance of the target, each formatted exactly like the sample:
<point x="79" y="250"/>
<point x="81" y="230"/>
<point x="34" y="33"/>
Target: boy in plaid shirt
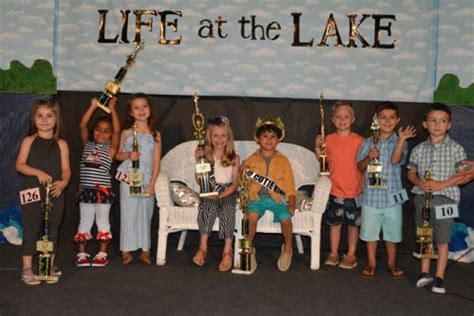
<point x="443" y="157"/>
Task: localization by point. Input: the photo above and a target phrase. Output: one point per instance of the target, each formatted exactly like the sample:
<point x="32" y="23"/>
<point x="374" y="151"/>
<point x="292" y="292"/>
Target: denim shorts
<point x="280" y="210"/>
<point x="441" y="227"/>
<point x="342" y="211"/>
<point x="388" y="220"/>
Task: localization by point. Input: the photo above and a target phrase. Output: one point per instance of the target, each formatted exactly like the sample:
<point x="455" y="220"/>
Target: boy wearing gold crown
<point x="273" y="186"/>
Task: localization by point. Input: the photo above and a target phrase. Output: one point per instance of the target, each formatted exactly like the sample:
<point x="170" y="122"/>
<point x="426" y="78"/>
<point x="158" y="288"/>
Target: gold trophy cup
<point x="245" y="244"/>
<point x="135" y="176"/>
<point x="44" y="246"/>
<point x="112" y="87"/>
<point x="424" y="232"/>
<point x="375" y="167"/>
<point x="323" y="158"/>
<point x="203" y="166"/>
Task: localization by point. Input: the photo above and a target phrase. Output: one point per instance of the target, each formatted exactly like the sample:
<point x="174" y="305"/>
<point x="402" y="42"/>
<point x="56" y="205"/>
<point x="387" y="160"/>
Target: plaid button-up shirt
<point x="391" y="172"/>
<point x="443" y="158"/>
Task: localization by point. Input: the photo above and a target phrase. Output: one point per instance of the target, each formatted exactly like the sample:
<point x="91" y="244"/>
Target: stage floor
<point x="180" y="288"/>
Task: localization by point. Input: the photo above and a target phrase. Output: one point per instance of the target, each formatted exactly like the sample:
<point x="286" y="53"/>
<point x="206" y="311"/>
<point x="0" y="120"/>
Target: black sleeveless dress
<point x="44" y="155"/>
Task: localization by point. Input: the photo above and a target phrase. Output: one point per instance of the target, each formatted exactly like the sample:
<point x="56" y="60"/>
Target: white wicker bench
<point x="178" y="164"/>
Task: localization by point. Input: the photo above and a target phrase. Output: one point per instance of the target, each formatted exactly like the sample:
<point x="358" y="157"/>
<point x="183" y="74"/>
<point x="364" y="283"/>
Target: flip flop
<point x="226" y="263"/>
<point x="29" y="279"/>
<point x="368" y="272"/>
<point x="396" y="272"/>
<point x="200" y="257"/>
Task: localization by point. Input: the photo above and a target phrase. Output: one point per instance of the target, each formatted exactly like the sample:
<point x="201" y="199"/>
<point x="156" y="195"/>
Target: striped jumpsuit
<point x="136" y="212"/>
<point x="224" y="208"/>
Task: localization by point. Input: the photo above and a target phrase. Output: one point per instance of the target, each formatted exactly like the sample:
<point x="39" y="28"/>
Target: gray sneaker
<point x="438" y="286"/>
<point x="424" y="279"/>
<point x="284" y="262"/>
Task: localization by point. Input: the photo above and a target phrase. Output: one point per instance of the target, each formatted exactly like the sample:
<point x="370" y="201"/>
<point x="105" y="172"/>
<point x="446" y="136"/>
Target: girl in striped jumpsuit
<point x="95" y="194"/>
<point x="219" y="150"/>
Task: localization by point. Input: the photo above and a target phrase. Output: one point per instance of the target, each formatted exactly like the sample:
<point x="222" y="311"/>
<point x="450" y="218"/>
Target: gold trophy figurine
<point x="323" y="158"/>
<point x="44" y="246"/>
<point x="135" y="176"/>
<point x="112" y="87"/>
<point x="424" y="232"/>
<point x="203" y="167"/>
<point x="245" y="244"/>
<point x="375" y="167"/>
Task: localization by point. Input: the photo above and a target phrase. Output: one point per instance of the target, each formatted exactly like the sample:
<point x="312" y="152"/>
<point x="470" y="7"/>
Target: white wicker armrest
<point x="322" y="188"/>
<point x="162" y="191"/>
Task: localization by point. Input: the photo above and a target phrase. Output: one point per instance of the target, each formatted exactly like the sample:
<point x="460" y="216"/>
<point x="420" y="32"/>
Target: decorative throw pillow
<point x="303" y="202"/>
<point x="183" y="195"/>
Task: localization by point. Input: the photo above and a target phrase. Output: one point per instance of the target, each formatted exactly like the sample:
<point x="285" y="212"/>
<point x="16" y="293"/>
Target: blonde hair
<point x="229" y="152"/>
<point x="49" y="104"/>
<point x="339" y="104"/>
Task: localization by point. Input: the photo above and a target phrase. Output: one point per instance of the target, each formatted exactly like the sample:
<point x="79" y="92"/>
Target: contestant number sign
<point x="447" y="211"/>
<point x="30" y="196"/>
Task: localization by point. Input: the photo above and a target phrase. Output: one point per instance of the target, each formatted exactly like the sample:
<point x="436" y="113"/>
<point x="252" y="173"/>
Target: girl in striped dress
<point x="219" y="150"/>
<point x="95" y="195"/>
<point x="136" y="212"/>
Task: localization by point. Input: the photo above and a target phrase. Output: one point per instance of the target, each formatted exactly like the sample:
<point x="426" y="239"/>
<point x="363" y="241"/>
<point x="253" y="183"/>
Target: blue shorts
<point x="388" y="220"/>
<point x="342" y="211"/>
<point x="280" y="210"/>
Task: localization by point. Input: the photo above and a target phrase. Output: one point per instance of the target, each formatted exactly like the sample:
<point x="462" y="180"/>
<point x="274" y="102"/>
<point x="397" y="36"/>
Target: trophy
<point x="323" y="162"/>
<point x="112" y="87"/>
<point x="44" y="246"/>
<point x="424" y="232"/>
<point x="203" y="166"/>
<point x="245" y="244"/>
<point x="135" y="176"/>
<point x="375" y="167"/>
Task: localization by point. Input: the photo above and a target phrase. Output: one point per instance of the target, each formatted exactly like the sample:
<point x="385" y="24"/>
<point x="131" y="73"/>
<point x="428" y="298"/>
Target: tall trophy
<point x="135" y="176"/>
<point x="375" y="167"/>
<point x="245" y="244"/>
<point x="203" y="166"/>
<point x="323" y="158"/>
<point x="424" y="232"/>
<point x="44" y="246"/>
<point x="112" y="87"/>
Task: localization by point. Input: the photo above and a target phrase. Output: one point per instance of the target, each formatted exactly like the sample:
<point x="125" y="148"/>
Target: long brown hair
<point x="151" y="121"/>
<point x="49" y="104"/>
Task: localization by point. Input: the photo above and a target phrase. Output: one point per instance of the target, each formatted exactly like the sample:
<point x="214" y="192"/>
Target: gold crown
<point x="277" y="122"/>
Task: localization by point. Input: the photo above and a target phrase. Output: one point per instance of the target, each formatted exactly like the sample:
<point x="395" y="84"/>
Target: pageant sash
<point x="265" y="181"/>
<point x="212" y="180"/>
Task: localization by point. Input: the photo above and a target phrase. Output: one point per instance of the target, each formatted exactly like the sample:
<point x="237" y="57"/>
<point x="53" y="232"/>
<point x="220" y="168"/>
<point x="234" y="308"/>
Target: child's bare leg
<point x="103" y="246"/>
<point x="391" y="249"/>
<point x="442" y="260"/>
<point x="253" y="219"/>
<point x="352" y="239"/>
<point x="287" y="231"/>
<point x="203" y="242"/>
<point x="82" y="246"/>
<point x="228" y="245"/>
<point x="200" y="256"/>
<point x="334" y="238"/>
<point x="425" y="265"/>
<point x="27" y="265"/>
<point x="371" y="253"/>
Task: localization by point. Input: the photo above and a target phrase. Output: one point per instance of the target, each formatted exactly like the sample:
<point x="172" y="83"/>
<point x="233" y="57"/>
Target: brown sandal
<point x="396" y="272"/>
<point x="226" y="262"/>
<point x="368" y="272"/>
<point x="145" y="257"/>
<point x="126" y="258"/>
<point x="200" y="257"/>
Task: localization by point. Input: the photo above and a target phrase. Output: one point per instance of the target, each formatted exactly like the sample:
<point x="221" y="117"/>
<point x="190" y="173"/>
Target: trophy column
<point x="424" y="232"/>
<point x="323" y="158"/>
<point x="203" y="167"/>
<point x="375" y="167"/>
<point x="244" y="265"/>
<point x="44" y="246"/>
<point x="135" y="176"/>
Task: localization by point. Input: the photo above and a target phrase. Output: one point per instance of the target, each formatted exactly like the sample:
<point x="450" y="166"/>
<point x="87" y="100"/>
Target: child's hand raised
<point x="43" y="177"/>
<point x="112" y="104"/>
<point x="408" y="132"/>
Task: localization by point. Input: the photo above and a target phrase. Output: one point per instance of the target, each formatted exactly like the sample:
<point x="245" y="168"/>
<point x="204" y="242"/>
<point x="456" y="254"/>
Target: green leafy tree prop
<point x="37" y="79"/>
<point x="449" y="91"/>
